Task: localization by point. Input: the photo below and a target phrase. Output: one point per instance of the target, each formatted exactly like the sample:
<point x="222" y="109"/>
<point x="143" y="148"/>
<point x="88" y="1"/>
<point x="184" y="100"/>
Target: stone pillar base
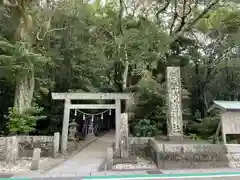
<point x="117" y="153"/>
<point x="175" y="137"/>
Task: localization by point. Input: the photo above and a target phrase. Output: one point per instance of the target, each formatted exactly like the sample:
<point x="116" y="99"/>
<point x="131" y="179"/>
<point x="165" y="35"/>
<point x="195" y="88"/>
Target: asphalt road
<point x="202" y="178"/>
<point x="211" y="178"/>
<point x="4" y="175"/>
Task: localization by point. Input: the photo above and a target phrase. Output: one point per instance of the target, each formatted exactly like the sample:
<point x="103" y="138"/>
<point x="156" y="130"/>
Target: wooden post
<point x="218" y="130"/>
<point x="223" y="133"/>
<point x="66" y="115"/>
<point x="117" y="123"/>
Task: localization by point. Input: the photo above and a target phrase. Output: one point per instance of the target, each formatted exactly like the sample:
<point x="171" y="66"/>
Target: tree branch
<point x="54" y="29"/>
<point x="175" y="16"/>
<point x="195" y="20"/>
<point x="120" y="17"/>
<point x="184" y="16"/>
<point x="162" y="9"/>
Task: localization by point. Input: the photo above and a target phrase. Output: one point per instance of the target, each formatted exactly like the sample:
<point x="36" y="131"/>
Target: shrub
<point x="144" y="128"/>
<point x="23" y="123"/>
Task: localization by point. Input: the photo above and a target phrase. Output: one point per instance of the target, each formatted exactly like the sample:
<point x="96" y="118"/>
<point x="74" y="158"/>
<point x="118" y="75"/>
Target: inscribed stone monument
<point x="124" y="145"/>
<point x="174" y="116"/>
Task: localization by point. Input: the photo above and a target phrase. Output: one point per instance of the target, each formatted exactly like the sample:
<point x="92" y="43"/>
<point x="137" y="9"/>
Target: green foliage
<point x="194" y="137"/>
<point x="144" y="128"/>
<point x="150" y="102"/>
<point x="81" y="50"/>
<point x="224" y="19"/>
<point x="23" y="123"/>
<point x="205" y="129"/>
<point x="19" y="58"/>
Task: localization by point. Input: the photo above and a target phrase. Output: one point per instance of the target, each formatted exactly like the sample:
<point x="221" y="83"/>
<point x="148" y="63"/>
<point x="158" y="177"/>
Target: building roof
<point x="226" y="105"/>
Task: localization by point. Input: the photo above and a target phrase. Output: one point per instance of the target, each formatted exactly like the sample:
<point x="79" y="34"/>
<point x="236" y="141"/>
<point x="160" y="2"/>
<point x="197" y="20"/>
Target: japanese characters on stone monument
<point x="174" y="116"/>
<point x="124" y="144"/>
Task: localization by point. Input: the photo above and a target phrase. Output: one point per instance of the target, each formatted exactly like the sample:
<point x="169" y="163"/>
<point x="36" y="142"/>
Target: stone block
<point x="11" y="149"/>
<point x="139" y="140"/>
<point x="36" y="159"/>
<point x="175" y="137"/>
<point x="109" y="158"/>
<point x="56" y="143"/>
<point x="233" y="148"/>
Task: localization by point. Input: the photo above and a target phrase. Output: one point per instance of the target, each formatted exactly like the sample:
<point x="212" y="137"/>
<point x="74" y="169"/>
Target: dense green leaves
<point x="76" y="46"/>
<point x="23" y="122"/>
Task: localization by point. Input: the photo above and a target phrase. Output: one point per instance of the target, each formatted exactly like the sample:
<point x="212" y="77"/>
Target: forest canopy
<point x="117" y="46"/>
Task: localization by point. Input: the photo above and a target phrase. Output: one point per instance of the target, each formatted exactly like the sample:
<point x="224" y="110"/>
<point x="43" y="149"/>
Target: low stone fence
<point x="139" y="146"/>
<point x="233" y="155"/>
<point x="137" y="143"/>
<point x="49" y="145"/>
<point x="26" y="144"/>
<point x="139" y="140"/>
<point x="168" y="155"/>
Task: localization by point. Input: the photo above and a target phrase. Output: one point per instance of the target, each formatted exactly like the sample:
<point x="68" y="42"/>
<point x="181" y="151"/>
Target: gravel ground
<point x="22" y="165"/>
<point x="141" y="164"/>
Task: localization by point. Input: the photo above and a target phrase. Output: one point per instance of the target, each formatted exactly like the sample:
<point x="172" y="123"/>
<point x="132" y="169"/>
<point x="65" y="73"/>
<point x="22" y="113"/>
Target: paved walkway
<point x="86" y="161"/>
<point x="83" y="163"/>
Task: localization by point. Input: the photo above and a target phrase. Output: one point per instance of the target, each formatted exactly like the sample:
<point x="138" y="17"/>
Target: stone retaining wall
<point x="26" y="144"/>
<point x="2" y="148"/>
<point x="233" y="154"/>
<point x="139" y="140"/>
<point x="139" y="146"/>
<point x="174" y="156"/>
<point x="188" y="155"/>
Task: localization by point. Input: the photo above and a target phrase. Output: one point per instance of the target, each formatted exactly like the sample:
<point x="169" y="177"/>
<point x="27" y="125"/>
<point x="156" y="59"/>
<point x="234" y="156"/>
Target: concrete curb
<point x="102" y="165"/>
<point x="164" y="176"/>
<point x="5" y="175"/>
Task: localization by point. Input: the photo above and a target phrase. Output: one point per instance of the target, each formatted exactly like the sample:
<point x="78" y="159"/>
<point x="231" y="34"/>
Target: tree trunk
<point x="24" y="91"/>
<point x="125" y="76"/>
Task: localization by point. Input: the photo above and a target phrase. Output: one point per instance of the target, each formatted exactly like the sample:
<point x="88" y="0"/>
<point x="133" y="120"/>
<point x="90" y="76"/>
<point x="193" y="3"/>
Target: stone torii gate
<point x="67" y="97"/>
